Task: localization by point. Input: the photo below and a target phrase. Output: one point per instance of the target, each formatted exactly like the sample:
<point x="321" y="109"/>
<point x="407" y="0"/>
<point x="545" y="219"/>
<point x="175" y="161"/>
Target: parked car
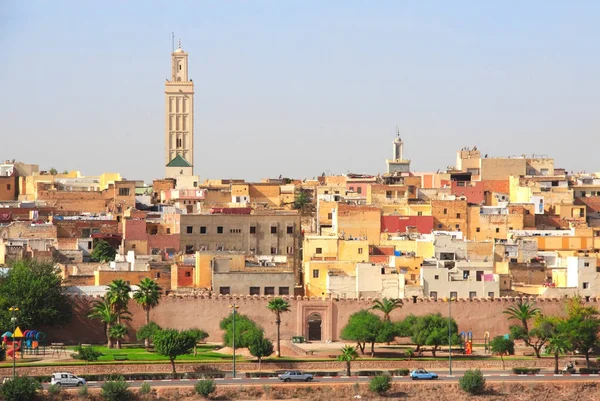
<point x="295" y="375"/>
<point x="422" y="374"/>
<point x="66" y="379"/>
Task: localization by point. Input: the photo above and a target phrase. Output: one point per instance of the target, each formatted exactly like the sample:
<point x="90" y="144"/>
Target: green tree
<point x="147" y="331"/>
<point x="432" y="330"/>
<point x="244" y="329"/>
<point x="259" y="346"/>
<point x="348" y="355"/>
<point x="35" y="287"/>
<point x="278" y="306"/>
<point x="523" y="312"/>
<point x="118" y="332"/>
<point x="87" y="354"/>
<point x="102" y="311"/>
<point x="53" y="171"/>
<point x="20" y="389"/>
<point x="559" y="342"/>
<point x="172" y="343"/>
<point x="582" y="325"/>
<point x="302" y="201"/>
<point x="103" y="252"/>
<point x="199" y="335"/>
<point x="538" y="336"/>
<point x="147" y="296"/>
<point x="363" y="327"/>
<point x="501" y="345"/>
<point x="65" y="172"/>
<point x="386" y="306"/>
<point x="380" y="384"/>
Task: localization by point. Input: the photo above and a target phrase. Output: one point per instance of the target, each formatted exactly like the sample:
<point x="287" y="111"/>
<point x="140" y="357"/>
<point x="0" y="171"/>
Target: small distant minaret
<point x="397" y="164"/>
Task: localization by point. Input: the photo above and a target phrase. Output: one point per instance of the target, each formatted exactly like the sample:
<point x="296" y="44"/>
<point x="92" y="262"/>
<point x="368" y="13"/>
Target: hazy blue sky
<point x="299" y="87"/>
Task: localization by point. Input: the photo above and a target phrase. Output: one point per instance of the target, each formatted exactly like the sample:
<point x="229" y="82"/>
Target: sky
<point x="299" y="88"/>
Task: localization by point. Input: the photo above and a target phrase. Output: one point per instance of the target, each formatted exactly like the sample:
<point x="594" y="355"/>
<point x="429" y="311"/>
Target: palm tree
<point x="147" y="296"/>
<point x="118" y="297"/>
<point x="278" y="306"/>
<point x="102" y="310"/>
<point x="558" y="344"/>
<point x="386" y="306"/>
<point x="348" y="355"/>
<point x="118" y="332"/>
<point x="523" y="312"/>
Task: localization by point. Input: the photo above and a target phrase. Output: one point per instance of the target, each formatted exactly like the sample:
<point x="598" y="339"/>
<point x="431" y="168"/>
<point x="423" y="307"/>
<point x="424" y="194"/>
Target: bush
<point x="53" y="389"/>
<point x="369" y="373"/>
<point x="380" y="384"/>
<point x="115" y="390"/>
<point x="19" y="389"/>
<point x="145" y="388"/>
<point x="525" y="371"/>
<point x="83" y="391"/>
<point x="88" y="354"/>
<point x="589" y="370"/>
<point x="205" y="387"/>
<point x="400" y="372"/>
<point x="472" y="382"/>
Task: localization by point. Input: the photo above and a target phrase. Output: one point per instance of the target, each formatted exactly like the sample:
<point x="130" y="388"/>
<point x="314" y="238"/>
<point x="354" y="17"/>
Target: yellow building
<point x="316" y="273"/>
<point x="72" y="181"/>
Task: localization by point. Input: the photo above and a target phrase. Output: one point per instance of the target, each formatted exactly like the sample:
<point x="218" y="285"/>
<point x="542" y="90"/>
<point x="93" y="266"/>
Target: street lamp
<point x="233" y="309"/>
<point x="450" y="335"/>
<point x="13" y="319"/>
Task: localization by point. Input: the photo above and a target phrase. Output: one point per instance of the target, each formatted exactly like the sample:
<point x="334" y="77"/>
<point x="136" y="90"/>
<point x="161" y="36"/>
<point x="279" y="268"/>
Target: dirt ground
<point x="539" y="391"/>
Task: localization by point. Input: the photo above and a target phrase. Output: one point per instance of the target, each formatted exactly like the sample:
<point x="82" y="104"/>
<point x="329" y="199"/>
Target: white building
<point x="458" y="279"/>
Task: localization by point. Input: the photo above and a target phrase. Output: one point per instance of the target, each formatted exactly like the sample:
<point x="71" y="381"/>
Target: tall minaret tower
<point x="179" y="118"/>
<point x="397" y="165"/>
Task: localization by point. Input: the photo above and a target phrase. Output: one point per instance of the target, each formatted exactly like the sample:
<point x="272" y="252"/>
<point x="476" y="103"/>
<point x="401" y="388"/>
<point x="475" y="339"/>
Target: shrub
<point x="380" y="384"/>
<point x="472" y="382"/>
<point x="53" y="389"/>
<point x="19" y="389"/>
<point x="400" y="372"/>
<point x="589" y="370"/>
<point x="145" y="388"/>
<point x="83" y="391"/>
<point x="525" y="371"/>
<point x="115" y="390"/>
<point x="88" y="354"/>
<point x="205" y="387"/>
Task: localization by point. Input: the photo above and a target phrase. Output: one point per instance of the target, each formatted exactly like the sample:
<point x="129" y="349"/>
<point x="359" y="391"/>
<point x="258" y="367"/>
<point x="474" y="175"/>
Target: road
<point x="444" y="378"/>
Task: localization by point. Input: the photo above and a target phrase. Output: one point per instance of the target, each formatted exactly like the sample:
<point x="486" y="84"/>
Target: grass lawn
<point x="138" y="353"/>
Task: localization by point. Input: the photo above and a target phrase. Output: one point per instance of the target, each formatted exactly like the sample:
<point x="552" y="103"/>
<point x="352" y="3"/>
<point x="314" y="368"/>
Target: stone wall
<point x="184" y="312"/>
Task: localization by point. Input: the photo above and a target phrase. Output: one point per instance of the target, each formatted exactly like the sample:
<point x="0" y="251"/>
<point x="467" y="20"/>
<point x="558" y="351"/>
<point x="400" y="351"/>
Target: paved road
<point x="445" y="378"/>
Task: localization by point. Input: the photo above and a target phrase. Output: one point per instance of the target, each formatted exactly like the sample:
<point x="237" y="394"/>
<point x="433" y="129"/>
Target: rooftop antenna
<point x="172" y="42"/>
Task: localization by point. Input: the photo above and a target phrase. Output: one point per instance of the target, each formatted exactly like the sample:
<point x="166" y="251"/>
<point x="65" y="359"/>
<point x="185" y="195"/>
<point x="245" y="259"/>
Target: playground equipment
<point x="9" y="344"/>
<point x="467" y="340"/>
<point x="30" y="343"/>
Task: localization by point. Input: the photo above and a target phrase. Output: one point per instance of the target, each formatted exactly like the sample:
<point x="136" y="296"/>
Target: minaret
<point x="179" y="118"/>
<point x="398" y="147"/>
<point x="397" y="165"/>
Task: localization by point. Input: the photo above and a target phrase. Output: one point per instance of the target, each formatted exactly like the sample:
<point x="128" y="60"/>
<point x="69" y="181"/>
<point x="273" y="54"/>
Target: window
<point x="466" y="274"/>
<point x="436" y="277"/>
<point x="123" y="191"/>
<point x="189" y="249"/>
<point x="284" y="290"/>
<point x="290" y="250"/>
<point x="439" y="226"/>
<point x="457" y="226"/>
<point x="491" y="294"/>
<point x="290" y="229"/>
<point x="315" y="273"/>
<point x="168" y="231"/>
<point x="224" y="290"/>
<point x="359" y="190"/>
<point x="352" y="189"/>
<point x="453" y="294"/>
<point x="89" y="245"/>
<point x="445" y="211"/>
<point x="360" y="251"/>
<point x="220" y="230"/>
<point x="8" y="187"/>
<point x="329" y="216"/>
<point x="132" y="246"/>
<point x="586" y="286"/>
<point x="254" y="290"/>
<point x="472" y="294"/>
<point x="203" y="230"/>
<point x="497" y="230"/>
<point x="252" y="229"/>
<point x="269" y="290"/>
<point x="319" y="251"/>
<point x="479" y="275"/>
<point x="586" y="264"/>
<point x="188" y="274"/>
<point x="419" y="213"/>
<point x="189" y="229"/>
<point x="388" y="194"/>
<point x="478" y="229"/>
<point x="235" y="231"/>
<point x="458" y="215"/>
<point x="157" y="275"/>
<point x="273" y="229"/>
<point x="433" y="294"/>
<point x="273" y="250"/>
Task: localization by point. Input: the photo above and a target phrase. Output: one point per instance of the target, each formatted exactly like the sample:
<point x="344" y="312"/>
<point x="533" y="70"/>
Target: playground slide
<point x="11" y="351"/>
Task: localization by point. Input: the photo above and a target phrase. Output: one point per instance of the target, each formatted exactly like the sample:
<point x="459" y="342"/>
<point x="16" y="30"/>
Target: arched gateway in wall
<point x="315" y="330"/>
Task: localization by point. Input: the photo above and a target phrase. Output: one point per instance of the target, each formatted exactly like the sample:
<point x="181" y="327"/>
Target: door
<point x="314" y="327"/>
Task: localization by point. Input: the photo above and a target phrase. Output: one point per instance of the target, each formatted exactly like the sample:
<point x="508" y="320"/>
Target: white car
<point x="66" y="379"/>
<point x="296" y="376"/>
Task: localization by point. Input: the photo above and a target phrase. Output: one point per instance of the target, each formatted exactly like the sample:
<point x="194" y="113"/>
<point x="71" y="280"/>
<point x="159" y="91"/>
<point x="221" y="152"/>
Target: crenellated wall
<point x="204" y="311"/>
